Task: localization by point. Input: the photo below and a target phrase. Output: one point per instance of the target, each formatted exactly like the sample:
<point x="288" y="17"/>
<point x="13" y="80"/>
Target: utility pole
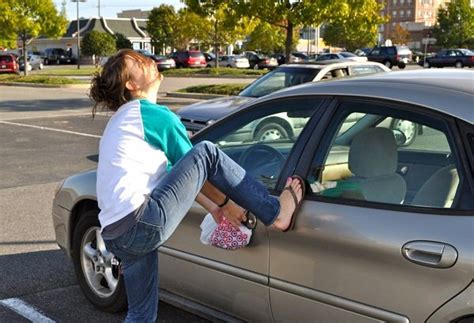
<point x="98" y="6"/>
<point x="78" y="35"/>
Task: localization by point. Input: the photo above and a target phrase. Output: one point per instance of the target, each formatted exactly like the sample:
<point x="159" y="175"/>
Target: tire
<point x="402" y="65"/>
<point x="427" y="65"/>
<point x="40" y="66"/>
<point x="270" y="131"/>
<point x="388" y="64"/>
<point x="88" y="260"/>
<point x="459" y="64"/>
<point x="409" y="129"/>
<point x="229" y="66"/>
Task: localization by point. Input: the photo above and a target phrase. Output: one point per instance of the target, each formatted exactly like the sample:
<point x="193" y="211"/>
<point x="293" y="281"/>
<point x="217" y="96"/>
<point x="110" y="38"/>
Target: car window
<point x="278" y="79"/>
<point x="375" y="52"/>
<point x="385" y="159"/>
<point x="360" y="70"/>
<point x="261" y="139"/>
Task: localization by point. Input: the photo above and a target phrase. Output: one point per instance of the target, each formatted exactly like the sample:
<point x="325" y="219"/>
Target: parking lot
<point x="47" y="134"/>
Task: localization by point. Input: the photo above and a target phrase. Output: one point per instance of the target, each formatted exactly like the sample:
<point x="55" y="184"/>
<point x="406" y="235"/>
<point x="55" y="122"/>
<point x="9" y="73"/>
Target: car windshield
<point x="467" y="51"/>
<point x="278" y="79"/>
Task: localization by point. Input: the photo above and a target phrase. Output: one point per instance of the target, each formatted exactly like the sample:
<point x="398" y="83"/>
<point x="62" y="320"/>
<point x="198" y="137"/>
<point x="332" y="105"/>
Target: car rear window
<point x="195" y="54"/>
<point x="7" y="59"/>
<point x="345" y="54"/>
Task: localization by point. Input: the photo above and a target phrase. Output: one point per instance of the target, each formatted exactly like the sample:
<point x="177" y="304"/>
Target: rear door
<point x="356" y="253"/>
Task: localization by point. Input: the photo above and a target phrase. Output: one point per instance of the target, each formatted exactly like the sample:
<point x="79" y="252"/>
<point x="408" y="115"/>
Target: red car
<point x="189" y="58"/>
<point x="8" y="64"/>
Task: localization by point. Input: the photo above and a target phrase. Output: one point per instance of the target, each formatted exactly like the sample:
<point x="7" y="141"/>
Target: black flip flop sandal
<point x="295" y="199"/>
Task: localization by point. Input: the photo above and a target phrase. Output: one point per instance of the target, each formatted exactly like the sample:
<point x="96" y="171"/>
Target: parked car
<point x="294" y="58"/>
<point x="164" y="63"/>
<point x="362" y="51"/>
<point x="34" y="62"/>
<point x="189" y="58"/>
<point x="381" y="226"/>
<point x="210" y="59"/>
<point x="391" y="56"/>
<point x="197" y="116"/>
<point x="458" y="57"/>
<point x="9" y="64"/>
<point x="234" y="61"/>
<point x="58" y="56"/>
<point x="259" y="61"/>
<point x="341" y="55"/>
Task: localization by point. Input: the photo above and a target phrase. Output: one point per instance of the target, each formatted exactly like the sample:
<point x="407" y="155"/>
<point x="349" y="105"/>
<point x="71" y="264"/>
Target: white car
<point x="233" y="61"/>
<point x="341" y="55"/>
<point x="33" y="62"/>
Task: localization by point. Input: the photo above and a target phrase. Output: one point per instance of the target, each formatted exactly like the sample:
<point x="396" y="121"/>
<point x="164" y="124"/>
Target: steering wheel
<point x="257" y="166"/>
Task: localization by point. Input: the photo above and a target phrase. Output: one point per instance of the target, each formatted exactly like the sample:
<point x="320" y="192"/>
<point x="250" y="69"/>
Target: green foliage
<point x="266" y="38"/>
<point x="455" y="24"/>
<point x="38" y="79"/>
<point x="222" y="89"/>
<point x="190" y="26"/>
<point x="122" y="42"/>
<point x="29" y="19"/>
<point x="98" y="44"/>
<point x="355" y="24"/>
<point x="161" y="26"/>
<point x="287" y="15"/>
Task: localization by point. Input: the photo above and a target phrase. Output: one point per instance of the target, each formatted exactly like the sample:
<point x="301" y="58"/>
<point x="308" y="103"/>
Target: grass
<point x="214" y="71"/>
<point x="70" y="71"/>
<point x="224" y="89"/>
<point x="38" y="79"/>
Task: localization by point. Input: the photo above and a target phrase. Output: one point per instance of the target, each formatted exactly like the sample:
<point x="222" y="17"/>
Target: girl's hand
<point x="217" y="214"/>
<point x="234" y="213"/>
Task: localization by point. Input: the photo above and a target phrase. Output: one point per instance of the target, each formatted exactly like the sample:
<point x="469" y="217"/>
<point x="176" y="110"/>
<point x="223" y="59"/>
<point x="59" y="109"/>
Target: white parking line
<point x="50" y="129"/>
<point x="25" y="310"/>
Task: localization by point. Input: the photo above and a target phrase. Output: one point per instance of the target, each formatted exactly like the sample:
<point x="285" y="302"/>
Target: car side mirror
<point x="400" y="137"/>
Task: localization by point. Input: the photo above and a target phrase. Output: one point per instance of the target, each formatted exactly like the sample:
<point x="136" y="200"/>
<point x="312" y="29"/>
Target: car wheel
<point x="269" y="132"/>
<point x="97" y="270"/>
<point x="459" y="64"/>
<point x="427" y="65"/>
<point x="388" y="64"/>
<point x="41" y="66"/>
<point x="402" y="65"/>
<point x="229" y="66"/>
<point x="409" y="129"/>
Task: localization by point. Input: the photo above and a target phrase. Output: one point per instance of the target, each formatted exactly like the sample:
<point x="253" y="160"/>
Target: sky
<point x="110" y="8"/>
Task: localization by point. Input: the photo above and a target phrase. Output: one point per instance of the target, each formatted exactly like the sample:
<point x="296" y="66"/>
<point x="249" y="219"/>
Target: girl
<point x="149" y="175"/>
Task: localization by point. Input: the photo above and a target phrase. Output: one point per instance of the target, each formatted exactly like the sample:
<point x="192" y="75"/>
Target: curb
<point x="73" y="86"/>
<point x="197" y="96"/>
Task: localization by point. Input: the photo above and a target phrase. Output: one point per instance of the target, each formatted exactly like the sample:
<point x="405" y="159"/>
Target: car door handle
<point x="431" y="254"/>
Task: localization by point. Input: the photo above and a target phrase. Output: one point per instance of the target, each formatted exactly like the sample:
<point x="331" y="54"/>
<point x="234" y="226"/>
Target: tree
<point x="355" y="26"/>
<point x="288" y="15"/>
<point x="227" y="25"/>
<point x="267" y="39"/>
<point x="98" y="44"/>
<point x="122" y="42"/>
<point x="162" y="24"/>
<point x="400" y="36"/>
<point x="28" y="19"/>
<point x="190" y="26"/>
<point x="455" y="24"/>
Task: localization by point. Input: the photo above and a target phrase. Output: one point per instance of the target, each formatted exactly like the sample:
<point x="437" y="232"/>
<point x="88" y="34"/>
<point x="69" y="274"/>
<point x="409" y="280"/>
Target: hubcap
<point x="100" y="267"/>
<point x="270" y="135"/>
<point x="408" y="128"/>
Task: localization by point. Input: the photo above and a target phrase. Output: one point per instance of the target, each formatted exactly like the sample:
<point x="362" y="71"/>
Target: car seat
<point x="439" y="190"/>
<point x="373" y="160"/>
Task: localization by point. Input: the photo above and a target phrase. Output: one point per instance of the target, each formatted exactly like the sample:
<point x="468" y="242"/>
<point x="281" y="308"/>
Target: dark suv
<point x="58" y="56"/>
<point x="189" y="58"/>
<point x="390" y="55"/>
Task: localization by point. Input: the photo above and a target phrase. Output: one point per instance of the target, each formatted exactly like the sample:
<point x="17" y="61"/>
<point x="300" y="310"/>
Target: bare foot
<point x="288" y="204"/>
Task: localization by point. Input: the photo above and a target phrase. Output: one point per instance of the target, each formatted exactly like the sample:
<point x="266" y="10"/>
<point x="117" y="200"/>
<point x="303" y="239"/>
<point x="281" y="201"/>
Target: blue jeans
<point x="166" y="207"/>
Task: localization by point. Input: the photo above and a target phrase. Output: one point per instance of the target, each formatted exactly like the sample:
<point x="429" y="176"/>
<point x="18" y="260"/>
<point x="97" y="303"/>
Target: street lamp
<point x="78" y="35"/>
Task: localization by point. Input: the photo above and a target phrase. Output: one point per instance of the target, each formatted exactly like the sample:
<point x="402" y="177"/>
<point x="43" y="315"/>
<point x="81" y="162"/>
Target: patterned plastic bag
<point x="224" y="235"/>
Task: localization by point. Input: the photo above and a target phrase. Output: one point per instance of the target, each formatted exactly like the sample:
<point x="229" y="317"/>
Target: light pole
<point x="78" y="35"/>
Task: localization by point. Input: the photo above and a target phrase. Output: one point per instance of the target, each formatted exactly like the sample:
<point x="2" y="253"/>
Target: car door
<point x="359" y="252"/>
<point x="260" y="140"/>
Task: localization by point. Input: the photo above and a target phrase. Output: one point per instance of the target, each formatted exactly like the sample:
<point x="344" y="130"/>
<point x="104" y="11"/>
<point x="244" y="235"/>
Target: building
<point x="131" y="28"/>
<point x="416" y="16"/>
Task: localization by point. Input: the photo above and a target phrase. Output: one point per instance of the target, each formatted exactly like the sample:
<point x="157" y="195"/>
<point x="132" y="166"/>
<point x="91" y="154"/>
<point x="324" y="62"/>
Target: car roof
<point x="448" y="91"/>
<point x="332" y="62"/>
